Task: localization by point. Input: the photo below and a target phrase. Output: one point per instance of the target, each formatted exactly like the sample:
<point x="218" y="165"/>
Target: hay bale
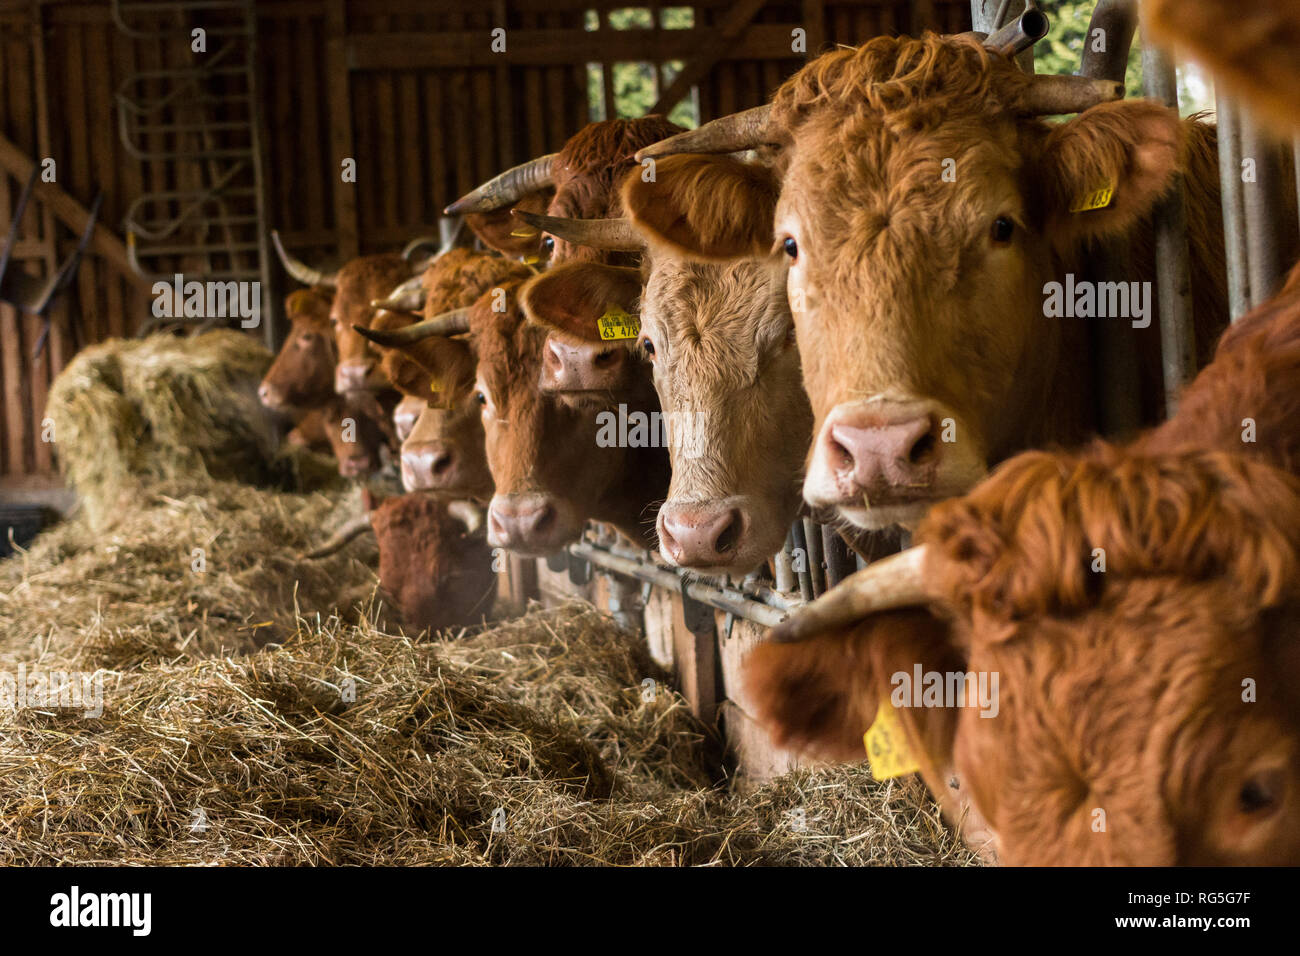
<point x="129" y="411"/>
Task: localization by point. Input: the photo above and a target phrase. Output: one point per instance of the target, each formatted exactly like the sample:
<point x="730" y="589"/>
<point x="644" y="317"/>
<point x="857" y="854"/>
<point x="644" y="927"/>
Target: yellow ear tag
<point x="531" y="260"/>
<point x="887" y="747"/>
<point x="524" y="232"/>
<point x="1099" y="198"/>
<point x="616" y="324"/>
<point x="435" y="386"/>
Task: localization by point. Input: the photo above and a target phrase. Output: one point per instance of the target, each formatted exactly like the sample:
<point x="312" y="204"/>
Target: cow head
<point x="359" y="283"/>
<point x="302" y="375"/>
<point x="550" y="472"/>
<point x="1131" y="614"/>
<point x="585" y="176"/>
<point x="433" y="560"/>
<point x="356" y="429"/>
<point x="720" y="340"/>
<point x="923" y="207"/>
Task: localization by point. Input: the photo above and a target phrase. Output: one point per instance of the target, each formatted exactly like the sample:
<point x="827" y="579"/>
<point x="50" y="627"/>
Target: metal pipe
<point x="839" y="557"/>
<point x="988" y="17"/>
<point x="1173" y="257"/>
<point x="800" y="540"/>
<point x="705" y="593"/>
<point x="1263" y="212"/>
<point x="812" y="533"/>
<point x="1117" y="20"/>
<point x="1234" y="214"/>
<point x="781" y="565"/>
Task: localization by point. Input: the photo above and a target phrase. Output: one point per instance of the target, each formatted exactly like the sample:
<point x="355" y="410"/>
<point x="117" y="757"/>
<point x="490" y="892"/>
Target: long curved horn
<point x="726" y="134"/>
<point x="468" y="514"/>
<point x="354" y="527"/>
<point x="421" y="242"/>
<point x="618" y="235"/>
<point x="511" y="186"/>
<point x="454" y="322"/>
<point x="1047" y="95"/>
<point x="407" y="297"/>
<point x="890" y="583"/>
<point x="299" y="269"/>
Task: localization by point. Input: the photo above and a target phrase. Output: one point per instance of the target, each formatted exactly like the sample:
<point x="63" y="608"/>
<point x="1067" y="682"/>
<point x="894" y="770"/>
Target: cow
<point x="434" y="563"/>
<point x="442" y="449"/>
<point x="925" y="211"/>
<point x="585" y="175"/>
<point x="357" y="428"/>
<point x="302" y="374"/>
<point x="551" y="469"/>
<point x="1135" y="604"/>
<point x="356" y="285"/>
<point x="720" y="340"/>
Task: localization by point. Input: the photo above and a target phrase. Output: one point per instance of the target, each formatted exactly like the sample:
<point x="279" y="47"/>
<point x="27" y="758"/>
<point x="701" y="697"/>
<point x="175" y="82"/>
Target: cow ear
<point x="571" y="299"/>
<point x="707" y="207"/>
<point x="821" y="695"/>
<point x="512" y="237"/>
<point x="1105" y="169"/>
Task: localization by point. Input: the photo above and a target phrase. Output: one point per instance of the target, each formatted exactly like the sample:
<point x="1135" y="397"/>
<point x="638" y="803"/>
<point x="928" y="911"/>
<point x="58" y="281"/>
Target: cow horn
<point x="618" y="235"/>
<point x="350" y="530"/>
<point x="511" y="186"/>
<point x="421" y="242"/>
<point x="299" y="269"/>
<point x="407" y="297"/>
<point x="454" y="322"/>
<point x="1048" y="95"/>
<point x="1020" y="34"/>
<point x="890" y="583"/>
<point x="726" y="134"/>
<point x="468" y="514"/>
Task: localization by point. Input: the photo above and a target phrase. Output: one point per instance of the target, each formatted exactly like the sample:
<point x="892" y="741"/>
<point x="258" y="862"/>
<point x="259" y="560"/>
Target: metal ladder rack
<point x="196" y="129"/>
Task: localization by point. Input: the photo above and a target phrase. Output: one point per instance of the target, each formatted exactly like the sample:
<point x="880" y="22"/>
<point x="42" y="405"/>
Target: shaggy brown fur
<point x="500" y="230"/>
<point x="438" y="575"/>
<point x="1250" y="47"/>
<point x="1135" y="604"/>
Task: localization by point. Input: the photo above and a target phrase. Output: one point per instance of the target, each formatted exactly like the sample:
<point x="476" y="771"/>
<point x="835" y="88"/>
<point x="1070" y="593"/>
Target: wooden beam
<point x="715" y="44"/>
<point x="339" y="94"/>
<point x="70" y="212"/>
<point x="554" y="47"/>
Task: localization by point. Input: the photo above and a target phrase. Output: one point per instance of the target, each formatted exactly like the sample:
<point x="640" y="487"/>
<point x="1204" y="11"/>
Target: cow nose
<point x="700" y="534"/>
<point x="524" y="522"/>
<point x="897" y="456"/>
<point x="582" y="367"/>
<point x="355" y="466"/>
<point x="351" y="376"/>
<point x="404" y="421"/>
<point x="430" y="465"/>
<point x="270" y="396"/>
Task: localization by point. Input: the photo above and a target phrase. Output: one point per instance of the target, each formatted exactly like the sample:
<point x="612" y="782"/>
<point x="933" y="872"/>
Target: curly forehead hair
<point x="923" y="78"/>
<point x="596" y="158"/>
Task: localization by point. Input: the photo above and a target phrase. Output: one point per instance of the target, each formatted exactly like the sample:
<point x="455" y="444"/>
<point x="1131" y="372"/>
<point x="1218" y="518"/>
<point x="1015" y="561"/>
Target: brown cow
<point x="302" y="375"/>
<point x="1134" y="605"/>
<point x="585" y="175"/>
<point x="356" y="426"/>
<point x="925" y="211"/>
<point x="433" y="561"/>
<point x="720" y="340"/>
<point x="550" y="468"/>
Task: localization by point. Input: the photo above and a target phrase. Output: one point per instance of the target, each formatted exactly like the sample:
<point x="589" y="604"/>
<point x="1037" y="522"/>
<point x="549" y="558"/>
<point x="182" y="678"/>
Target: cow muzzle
<point x="405" y="414"/>
<point x="531" y="524"/>
<point x="430" y="465"/>
<point x="881" y="462"/>
<point x="582" y="368"/>
<point x="351" y="377"/>
<point x="718" y="536"/>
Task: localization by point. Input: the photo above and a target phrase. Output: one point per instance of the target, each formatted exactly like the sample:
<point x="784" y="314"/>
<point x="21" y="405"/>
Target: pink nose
<point x="356" y="465"/>
<point x="428" y="465"/>
<point x="270" y="396"/>
<point x="582" y="368"/>
<point x="351" y="377"/>
<point x="894" y="458"/>
<point x="522" y="522"/>
<point x="700" y="534"/>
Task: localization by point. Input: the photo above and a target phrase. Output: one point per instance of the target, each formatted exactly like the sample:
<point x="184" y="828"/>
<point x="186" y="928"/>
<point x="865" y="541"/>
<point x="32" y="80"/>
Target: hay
<point x="127" y="412"/>
<point x="215" y="750"/>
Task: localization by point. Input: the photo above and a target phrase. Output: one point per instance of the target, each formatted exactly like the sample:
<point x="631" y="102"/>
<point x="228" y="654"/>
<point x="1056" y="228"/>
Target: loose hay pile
<point x="346" y="744"/>
<point x="129" y="411"/>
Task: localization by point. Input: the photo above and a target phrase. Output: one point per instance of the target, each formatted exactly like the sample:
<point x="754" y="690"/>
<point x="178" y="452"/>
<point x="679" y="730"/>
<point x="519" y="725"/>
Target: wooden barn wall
<point x="415" y="97"/>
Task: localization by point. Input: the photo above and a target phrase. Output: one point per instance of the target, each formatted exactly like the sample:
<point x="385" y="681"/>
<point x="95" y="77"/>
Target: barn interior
<point x="259" y="697"/>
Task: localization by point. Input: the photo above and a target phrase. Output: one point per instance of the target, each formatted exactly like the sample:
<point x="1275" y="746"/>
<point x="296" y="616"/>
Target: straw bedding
<point x="266" y="710"/>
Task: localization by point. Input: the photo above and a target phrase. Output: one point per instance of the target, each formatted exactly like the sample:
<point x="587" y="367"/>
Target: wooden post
<point x="339" y="94"/>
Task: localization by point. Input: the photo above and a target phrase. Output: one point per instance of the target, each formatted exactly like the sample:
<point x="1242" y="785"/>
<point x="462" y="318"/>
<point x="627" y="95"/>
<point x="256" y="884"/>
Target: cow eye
<point x="649" y="348"/>
<point x="480" y="398"/>
<point x="1003" y="227"/>
<point x="1260" y="794"/>
<point x="307" y="338"/>
<point x="791" y="247"/>
<point x="549" y="243"/>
